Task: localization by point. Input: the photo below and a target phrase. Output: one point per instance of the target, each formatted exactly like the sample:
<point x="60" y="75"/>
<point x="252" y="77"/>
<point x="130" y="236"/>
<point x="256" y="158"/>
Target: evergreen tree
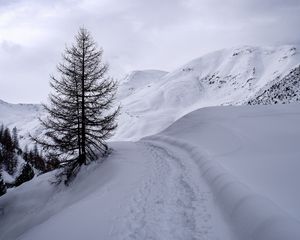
<point x="1" y="132"/>
<point x="25" y="153"/>
<point x="37" y="160"/>
<point x="15" y="138"/>
<point x="80" y="115"/>
<point x="8" y="153"/>
<point x="26" y="175"/>
<point x="7" y="140"/>
<point x="1" y="157"/>
<point x="52" y="163"/>
<point x="2" y="185"/>
<point x="35" y="150"/>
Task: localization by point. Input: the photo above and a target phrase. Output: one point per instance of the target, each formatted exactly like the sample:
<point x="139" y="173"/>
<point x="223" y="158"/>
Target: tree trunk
<point x="83" y="157"/>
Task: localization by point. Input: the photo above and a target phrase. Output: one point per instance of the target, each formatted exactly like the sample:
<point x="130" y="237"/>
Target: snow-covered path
<point x="173" y="202"/>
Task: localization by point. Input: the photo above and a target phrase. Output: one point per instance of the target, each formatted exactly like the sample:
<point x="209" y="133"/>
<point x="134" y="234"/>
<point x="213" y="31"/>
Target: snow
<point x="138" y="80"/>
<point x="7" y="177"/>
<point x="22" y="116"/>
<point x="151" y="100"/>
<point x="253" y="164"/>
<point x="285" y="90"/>
<point x="226" y="77"/>
<point x="216" y="173"/>
<point x="244" y="137"/>
<point x="10" y="179"/>
<point x="99" y="194"/>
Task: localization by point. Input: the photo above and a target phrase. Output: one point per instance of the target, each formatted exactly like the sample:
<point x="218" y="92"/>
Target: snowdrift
<point x="250" y="158"/>
<point x="252" y="215"/>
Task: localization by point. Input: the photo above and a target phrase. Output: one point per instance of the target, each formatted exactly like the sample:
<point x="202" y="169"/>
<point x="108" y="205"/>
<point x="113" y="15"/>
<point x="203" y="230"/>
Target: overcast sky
<point x="135" y="34"/>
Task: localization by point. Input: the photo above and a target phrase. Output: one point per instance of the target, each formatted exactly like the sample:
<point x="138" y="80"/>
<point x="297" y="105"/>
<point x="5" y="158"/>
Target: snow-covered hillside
<point x="151" y="100"/>
<point x="136" y="81"/>
<point x="229" y="76"/>
<point x="22" y="116"/>
<point x="282" y="90"/>
<point x="225" y="173"/>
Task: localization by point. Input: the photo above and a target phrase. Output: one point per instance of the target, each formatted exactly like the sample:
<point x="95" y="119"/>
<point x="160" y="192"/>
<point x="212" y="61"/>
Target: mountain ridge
<point x="225" y="77"/>
<point x="153" y="99"/>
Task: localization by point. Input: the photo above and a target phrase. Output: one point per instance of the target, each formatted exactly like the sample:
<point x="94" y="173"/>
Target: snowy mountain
<point x="151" y="100"/>
<point x="281" y="90"/>
<point x="22" y="116"/>
<point x="137" y="81"/>
<point x="226" y="77"/>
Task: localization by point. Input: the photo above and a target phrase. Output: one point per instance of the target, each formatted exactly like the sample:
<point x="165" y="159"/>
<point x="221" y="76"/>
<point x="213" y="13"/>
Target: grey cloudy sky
<point x="135" y="34"/>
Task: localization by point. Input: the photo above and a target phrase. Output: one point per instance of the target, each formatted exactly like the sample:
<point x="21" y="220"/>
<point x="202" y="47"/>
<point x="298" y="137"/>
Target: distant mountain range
<point x="152" y="99"/>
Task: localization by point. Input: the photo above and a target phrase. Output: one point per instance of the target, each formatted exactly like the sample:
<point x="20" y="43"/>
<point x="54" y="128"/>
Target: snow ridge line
<point x="252" y="215"/>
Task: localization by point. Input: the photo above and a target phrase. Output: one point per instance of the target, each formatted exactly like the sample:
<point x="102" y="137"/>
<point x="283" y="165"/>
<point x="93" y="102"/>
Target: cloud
<point x="10" y="47"/>
<point x="135" y="34"/>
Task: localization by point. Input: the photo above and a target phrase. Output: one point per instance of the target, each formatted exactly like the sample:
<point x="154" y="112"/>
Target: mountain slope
<point x="281" y="90"/>
<point x="230" y="76"/>
<point x="137" y="81"/>
<point x="23" y="116"/>
<point x="151" y="100"/>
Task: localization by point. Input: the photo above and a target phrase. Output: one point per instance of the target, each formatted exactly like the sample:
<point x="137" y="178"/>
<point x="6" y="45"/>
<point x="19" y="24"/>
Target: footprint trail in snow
<point x="172" y="202"/>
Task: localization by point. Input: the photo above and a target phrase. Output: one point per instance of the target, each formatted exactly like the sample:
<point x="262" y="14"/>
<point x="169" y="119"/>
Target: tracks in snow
<point x="172" y="201"/>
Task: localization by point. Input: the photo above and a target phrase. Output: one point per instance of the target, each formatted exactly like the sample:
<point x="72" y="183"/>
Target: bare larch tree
<point x="81" y="115"/>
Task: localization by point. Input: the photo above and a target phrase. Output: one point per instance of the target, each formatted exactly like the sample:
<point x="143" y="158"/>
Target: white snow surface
<point x="217" y="173"/>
